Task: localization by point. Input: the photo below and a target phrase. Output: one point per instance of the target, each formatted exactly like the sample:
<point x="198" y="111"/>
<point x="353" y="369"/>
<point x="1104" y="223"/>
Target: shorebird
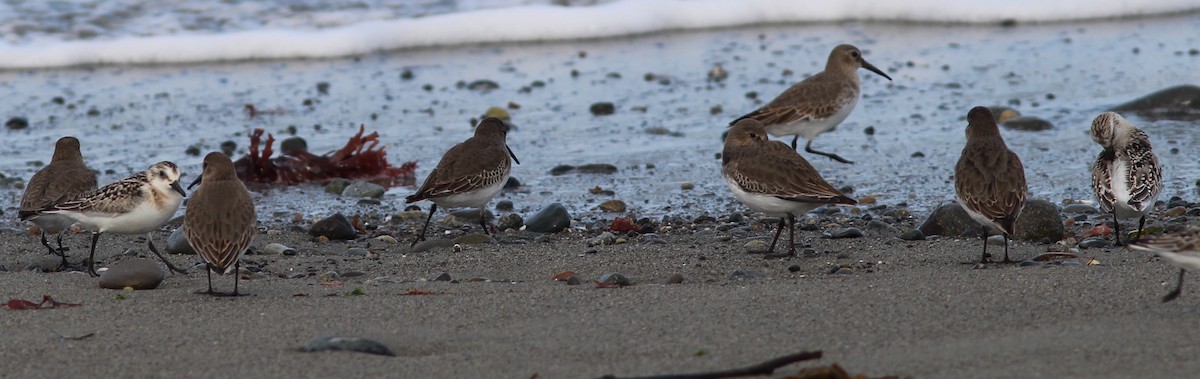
<point x="469" y="174"/>
<point x="1126" y="177"/>
<point x="989" y="179"/>
<point x="220" y="221"/>
<point x="1180" y="249"/>
<point x="818" y="103"/>
<point x="65" y="178"/>
<point x="770" y="177"/>
<point x="138" y="204"/>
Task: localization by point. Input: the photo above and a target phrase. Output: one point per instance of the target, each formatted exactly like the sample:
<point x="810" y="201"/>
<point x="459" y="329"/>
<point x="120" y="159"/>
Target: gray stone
<point x="337" y="186"/>
<point x="603" y="108"/>
<point x="1174" y="103"/>
<point x="882" y="228"/>
<point x="850" y="232"/>
<point x="511" y="221"/>
<point x="912" y="235"/>
<point x="757" y="246"/>
<point x="362" y="189"/>
<point x="504" y="205"/>
<point x="949" y="220"/>
<point x="747" y="275"/>
<point x="432" y="244"/>
<point x="473" y="239"/>
<point x="552" y="219"/>
<point x="1094" y="242"/>
<point x="1040" y="220"/>
<point x="614" y="279"/>
<point x="441" y="277"/>
<point x="605" y="238"/>
<point x="1080" y="208"/>
<point x="16" y="123"/>
<point x="291" y="144"/>
<point x="335" y="227"/>
<point x="277" y="249"/>
<point x="137" y="273"/>
<point x="471" y="215"/>
<point x="1027" y="124"/>
<point x="355" y="344"/>
<point x="177" y="243"/>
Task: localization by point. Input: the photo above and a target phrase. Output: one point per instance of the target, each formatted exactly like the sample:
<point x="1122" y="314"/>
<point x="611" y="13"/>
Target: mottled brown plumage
<point x="470" y="173"/>
<point x="818" y="103"/>
<point x="770" y="177"/>
<point x="989" y="179"/>
<point x="220" y="221"/>
<point x="1126" y="177"/>
<point x="66" y="178"/>
<point x="1181" y="249"/>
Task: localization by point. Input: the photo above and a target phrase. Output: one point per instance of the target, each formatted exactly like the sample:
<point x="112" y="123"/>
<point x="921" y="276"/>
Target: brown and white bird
<point x="138" y="204"/>
<point x="1180" y="249"/>
<point x="770" y="177"/>
<point x="818" y="103"/>
<point x="1126" y="177"/>
<point x="989" y="179"/>
<point x="66" y="178"/>
<point x="470" y="174"/>
<point x="220" y="222"/>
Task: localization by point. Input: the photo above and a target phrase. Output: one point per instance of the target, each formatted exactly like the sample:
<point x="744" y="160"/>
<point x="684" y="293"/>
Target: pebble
<point x="504" y="206"/>
<point x="882" y="228"/>
<point x="436" y="243"/>
<point x="177" y="243"/>
<point x="573" y="280"/>
<point x="757" y="246"/>
<point x="441" y="277"/>
<point x="996" y="240"/>
<point x="675" y="279"/>
<point x="328" y="276"/>
<point x="603" y="108"/>
<point x="1080" y="208"/>
<point x="747" y="275"/>
<point x="291" y="144"/>
<point x="137" y="273"/>
<point x="850" y="232"/>
<point x="794" y="268"/>
<point x="1027" y="124"/>
<point x="1175" y="103"/>
<point x="363" y="189"/>
<point x="614" y="279"/>
<point x="335" y="227"/>
<point x="512" y="183"/>
<point x="473" y="239"/>
<point x="1175" y="212"/>
<point x="605" y="238"/>
<point x="355" y="252"/>
<point x="510" y="221"/>
<point x="471" y="215"/>
<point x="612" y="206"/>
<point x="552" y="219"/>
<point x="387" y="239"/>
<point x="277" y="249"/>
<point x="687" y="186"/>
<point x="1040" y="220"/>
<point x="16" y="123"/>
<point x="912" y="235"/>
<point x="355" y="344"/>
<point x="337" y="186"/>
<point x="1094" y="242"/>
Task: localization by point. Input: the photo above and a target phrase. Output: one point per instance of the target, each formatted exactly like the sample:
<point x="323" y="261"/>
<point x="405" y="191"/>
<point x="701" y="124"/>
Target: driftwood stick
<point x="765" y="368"/>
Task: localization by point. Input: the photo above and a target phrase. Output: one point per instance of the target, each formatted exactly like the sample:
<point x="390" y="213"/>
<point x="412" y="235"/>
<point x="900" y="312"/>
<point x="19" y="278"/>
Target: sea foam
<point x="548" y="23"/>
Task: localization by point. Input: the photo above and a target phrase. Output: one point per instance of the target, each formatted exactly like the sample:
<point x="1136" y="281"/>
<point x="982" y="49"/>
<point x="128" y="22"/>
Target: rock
<point x="1174" y="103"/>
<point x="16" y="123"/>
<point x="229" y="148"/>
<point x="277" y="249"/>
<point x="882" y="228"/>
<point x="675" y="279"/>
<point x="471" y="215"/>
<point x="950" y="220"/>
<point x="1004" y="113"/>
<point x="1080" y="208"/>
<point x="483" y="85"/>
<point x="614" y="279"/>
<point x="1040" y="220"/>
<point x="337" y="186"/>
<point x="432" y="244"/>
<point x="335" y="227"/>
<point x="552" y="219"/>
<point x="612" y="206"/>
<point x="441" y="277"/>
<point x="687" y="186"/>
<point x="596" y="168"/>
<point x="355" y="252"/>
<point x="363" y="189"/>
<point x="603" y="108"/>
<point x="756" y="246"/>
<point x="1027" y="124"/>
<point x="605" y="238"/>
<point x="912" y="235"/>
<point x="1175" y="212"/>
<point x="1094" y="242"/>
<point x="747" y="275"/>
<point x="511" y="221"/>
<point x="996" y="240"/>
<point x="137" y="273"/>
<point x="387" y="239"/>
<point x="355" y="344"/>
<point x="177" y="243"/>
<point x="291" y="144"/>
<point x="850" y="232"/>
<point x="504" y="205"/>
<point x="473" y="239"/>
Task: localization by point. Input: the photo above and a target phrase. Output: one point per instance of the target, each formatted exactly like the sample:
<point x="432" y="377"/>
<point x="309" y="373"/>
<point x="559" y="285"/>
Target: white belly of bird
<point x="53" y="223"/>
<point x="1186" y="260"/>
<point x="474" y="199"/>
<point x="770" y="205"/>
<point x="1122" y="193"/>
<point x="144" y="218"/>
<point x="809" y="129"/>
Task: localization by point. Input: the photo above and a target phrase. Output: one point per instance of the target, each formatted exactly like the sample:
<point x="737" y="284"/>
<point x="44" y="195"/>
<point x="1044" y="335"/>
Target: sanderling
<point x="1126" y="177"/>
<point x="1180" y="249"/>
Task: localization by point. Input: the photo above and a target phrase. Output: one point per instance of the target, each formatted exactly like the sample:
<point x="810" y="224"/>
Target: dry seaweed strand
<point x="765" y="368"/>
<point x="362" y="158"/>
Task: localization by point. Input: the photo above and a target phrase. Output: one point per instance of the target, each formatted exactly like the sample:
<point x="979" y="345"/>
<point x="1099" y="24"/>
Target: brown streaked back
<point x="772" y="168"/>
<point x="220" y="221"/>
<point x="479" y="162"/>
<point x="989" y="178"/>
<point x="66" y="178"/>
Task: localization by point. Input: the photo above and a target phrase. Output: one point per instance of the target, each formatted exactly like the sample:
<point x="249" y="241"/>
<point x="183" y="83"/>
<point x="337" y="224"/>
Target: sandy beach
<point x="916" y="309"/>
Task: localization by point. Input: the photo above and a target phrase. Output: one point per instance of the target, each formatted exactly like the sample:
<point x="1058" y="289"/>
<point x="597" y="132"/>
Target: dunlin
<point x="1180" y="249"/>
<point x="1126" y="177"/>
<point x="65" y="178"/>
<point x="989" y="179"/>
<point x="470" y="173"/>
<point x="772" y="178"/>
<point x="818" y="103"/>
<point x="220" y="220"/>
<point x="138" y="204"/>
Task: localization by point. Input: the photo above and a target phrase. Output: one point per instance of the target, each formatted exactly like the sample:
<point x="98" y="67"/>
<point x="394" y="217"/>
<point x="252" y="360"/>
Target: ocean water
<point x="140" y="82"/>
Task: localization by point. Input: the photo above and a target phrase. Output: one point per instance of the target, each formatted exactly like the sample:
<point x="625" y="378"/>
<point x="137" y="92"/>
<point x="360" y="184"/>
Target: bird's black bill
<point x="175" y="186"/>
<point x="875" y="70"/>
<point x="510" y="153"/>
<point x="195" y="182"/>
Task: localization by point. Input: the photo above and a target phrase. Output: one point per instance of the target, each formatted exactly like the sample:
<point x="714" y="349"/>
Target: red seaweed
<point x="361" y="158"/>
<point x="46" y="303"/>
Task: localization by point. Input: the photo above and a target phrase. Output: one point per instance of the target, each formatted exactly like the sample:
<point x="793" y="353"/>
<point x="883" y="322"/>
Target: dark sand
<point x="909" y="308"/>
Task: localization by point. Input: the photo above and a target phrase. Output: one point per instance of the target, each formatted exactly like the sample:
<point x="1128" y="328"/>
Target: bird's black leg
<point x="1116" y="228"/>
<point x="1178" y="288"/>
<point x="1141" y="224"/>
<point x="92" y="255"/>
<point x="808" y="148"/>
<point x="150" y="244"/>
<point x="426" y="228"/>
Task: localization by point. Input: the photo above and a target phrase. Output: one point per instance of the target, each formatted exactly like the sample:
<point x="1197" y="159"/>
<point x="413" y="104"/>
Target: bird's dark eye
<point x="854" y="54"/>
<point x="162" y="174"/>
<point x="753" y="135"/>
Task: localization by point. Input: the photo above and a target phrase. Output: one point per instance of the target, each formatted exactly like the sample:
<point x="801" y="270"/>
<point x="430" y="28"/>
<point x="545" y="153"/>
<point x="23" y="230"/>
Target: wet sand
<point x="909" y="308"/>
